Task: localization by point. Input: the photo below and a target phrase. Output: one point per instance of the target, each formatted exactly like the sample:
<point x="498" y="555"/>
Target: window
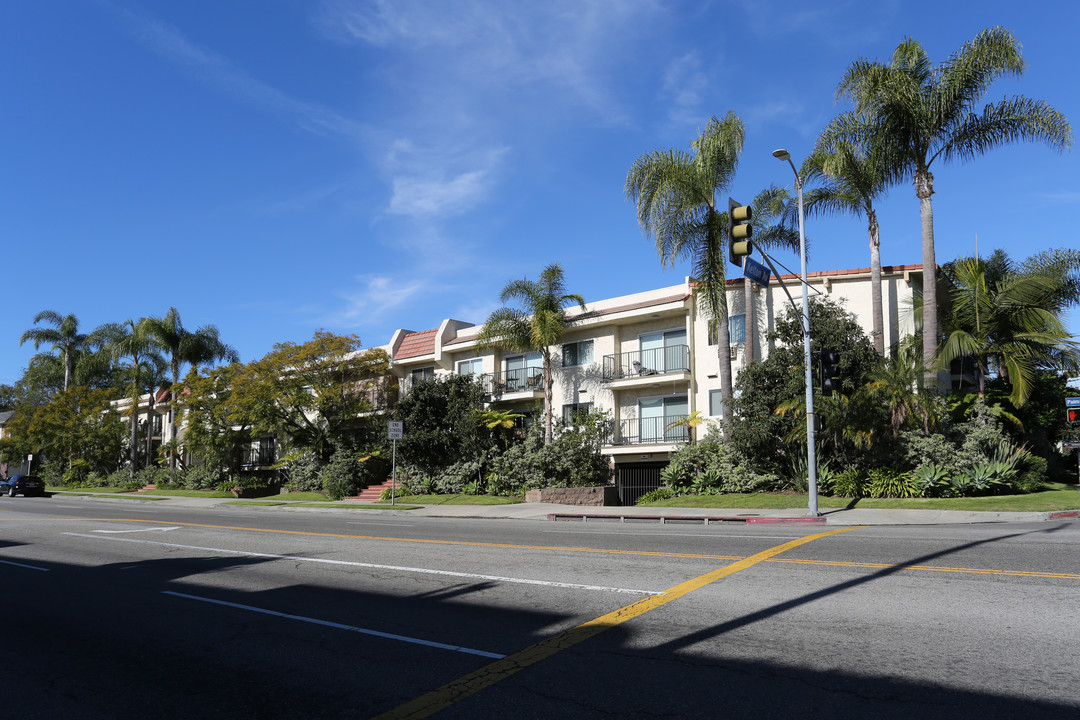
<point x="663" y="352"/>
<point x="657" y="415"/>
<point x="571" y="409"/>
<point x="427" y="373"/>
<point x="736" y="329"/>
<point x="470" y="367"/>
<point x="577" y="353"/>
<point x="716" y="407"/>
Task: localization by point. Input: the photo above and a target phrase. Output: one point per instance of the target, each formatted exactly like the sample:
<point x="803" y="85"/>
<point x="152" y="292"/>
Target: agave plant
<point x="929" y="480"/>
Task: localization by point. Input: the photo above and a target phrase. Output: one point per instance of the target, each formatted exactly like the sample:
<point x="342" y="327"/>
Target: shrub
<point x="303" y="472"/>
<point x="200" y="477"/>
<point x="849" y="483"/>
<point x="929" y="480"/>
<point x="341" y="476"/>
<point x="889" y="483"/>
<point x="662" y="493"/>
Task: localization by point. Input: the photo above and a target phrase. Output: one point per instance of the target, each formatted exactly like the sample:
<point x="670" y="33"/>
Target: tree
<point x="536" y="326"/>
<point x="131" y="344"/>
<point x="64" y="336"/>
<point x="852" y="177"/>
<point x="443" y="422"/>
<point x="183" y="346"/>
<point x="675" y="196"/>
<point x="1006" y="321"/>
<point x="316" y="394"/>
<point x="921" y="113"/>
<point x="775" y="225"/>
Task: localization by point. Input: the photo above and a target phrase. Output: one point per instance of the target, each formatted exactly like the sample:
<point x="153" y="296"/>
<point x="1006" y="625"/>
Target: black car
<point x="25" y="484"/>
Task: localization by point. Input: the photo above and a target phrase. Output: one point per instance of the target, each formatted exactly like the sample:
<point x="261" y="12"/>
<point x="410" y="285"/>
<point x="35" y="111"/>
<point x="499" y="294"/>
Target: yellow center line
<point x="598" y="551"/>
<point x="488" y="675"/>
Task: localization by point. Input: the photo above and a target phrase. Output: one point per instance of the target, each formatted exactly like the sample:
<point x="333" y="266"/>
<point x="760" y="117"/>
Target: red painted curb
<point x="1060" y="514"/>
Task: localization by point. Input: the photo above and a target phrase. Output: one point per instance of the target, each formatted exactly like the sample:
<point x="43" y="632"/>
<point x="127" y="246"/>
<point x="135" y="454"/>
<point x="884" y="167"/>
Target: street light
<point x="811" y="449"/>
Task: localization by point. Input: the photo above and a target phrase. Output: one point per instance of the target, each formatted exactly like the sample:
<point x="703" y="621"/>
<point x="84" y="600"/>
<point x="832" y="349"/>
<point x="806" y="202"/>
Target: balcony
<point x="520" y="383"/>
<point x="649" y="431"/>
<point x="641" y="367"/>
<point x="258" y="453"/>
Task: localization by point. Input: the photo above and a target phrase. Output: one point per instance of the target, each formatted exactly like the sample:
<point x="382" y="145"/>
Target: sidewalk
<point x="579" y="513"/>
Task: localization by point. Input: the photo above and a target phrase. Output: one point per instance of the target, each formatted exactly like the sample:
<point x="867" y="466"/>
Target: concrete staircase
<point x="371" y="493"/>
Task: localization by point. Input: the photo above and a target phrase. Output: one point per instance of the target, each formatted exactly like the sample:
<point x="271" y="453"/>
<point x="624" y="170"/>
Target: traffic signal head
<point x="739" y="232"/>
<point x="829" y="361"/>
<point x="1073" y="414"/>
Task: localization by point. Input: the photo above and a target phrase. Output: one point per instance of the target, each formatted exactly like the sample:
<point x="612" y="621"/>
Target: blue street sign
<point x="759" y="273"/>
<point x="1072" y="402"/>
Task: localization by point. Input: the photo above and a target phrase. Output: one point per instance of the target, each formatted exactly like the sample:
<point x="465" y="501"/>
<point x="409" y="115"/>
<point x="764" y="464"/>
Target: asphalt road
<point x="112" y="610"/>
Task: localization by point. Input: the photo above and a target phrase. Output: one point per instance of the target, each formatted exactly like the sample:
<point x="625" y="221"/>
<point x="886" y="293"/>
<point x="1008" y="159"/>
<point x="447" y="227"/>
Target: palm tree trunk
<point x="875" y="281"/>
<point x="924" y="188"/>
<point x="548" y="396"/>
<point x="67" y="367"/>
<point x="723" y="354"/>
<point x="134" y="431"/>
<point x="748" y="320"/>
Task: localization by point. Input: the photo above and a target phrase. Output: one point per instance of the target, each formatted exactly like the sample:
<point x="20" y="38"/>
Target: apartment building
<point x="647" y="359"/>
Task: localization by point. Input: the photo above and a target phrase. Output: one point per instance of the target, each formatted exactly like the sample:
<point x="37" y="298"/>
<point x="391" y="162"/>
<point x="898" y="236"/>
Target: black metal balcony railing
<point x="642" y="363"/>
<point x="519" y="380"/>
<point x="258" y="453"/>
<point x="646" y="431"/>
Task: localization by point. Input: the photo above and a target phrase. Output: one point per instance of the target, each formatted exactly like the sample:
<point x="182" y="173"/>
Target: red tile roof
<point x="416" y="344"/>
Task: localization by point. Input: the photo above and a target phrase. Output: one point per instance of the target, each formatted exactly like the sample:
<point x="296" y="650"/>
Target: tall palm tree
<point x="851" y="177"/>
<point x="536" y="326"/>
<point x="921" y="113"/>
<point x="675" y="196"/>
<point x="775" y="220"/>
<point x="64" y="336"/>
<point x="1008" y="323"/>
<point x="183" y="346"/>
<point x="132" y="344"/>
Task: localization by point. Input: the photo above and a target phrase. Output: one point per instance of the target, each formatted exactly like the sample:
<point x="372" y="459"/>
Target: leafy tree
<point x="215" y="428"/>
<point x="536" y="326"/>
<point x="443" y="423"/>
<point x="186" y="347"/>
<point x="921" y="113"/>
<point x="675" y="196"/>
<point x="1006" y="321"/>
<point x="852" y="177"/>
<point x="316" y="394"/>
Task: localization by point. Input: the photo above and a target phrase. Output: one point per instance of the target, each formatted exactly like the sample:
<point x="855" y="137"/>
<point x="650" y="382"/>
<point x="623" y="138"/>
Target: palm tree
<point x="675" y="196"/>
<point x="921" y="113"/>
<point x="183" y="346"/>
<point x="132" y="344"/>
<point x="851" y="177"/>
<point x="536" y="326"/>
<point x="1008" y="323"/>
<point x="64" y="336"/>
<point x="892" y="384"/>
<point x="775" y="220"/>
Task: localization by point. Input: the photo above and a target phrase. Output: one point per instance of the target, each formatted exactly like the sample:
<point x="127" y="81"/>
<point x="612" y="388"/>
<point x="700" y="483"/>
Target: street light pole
<point x="811" y="447"/>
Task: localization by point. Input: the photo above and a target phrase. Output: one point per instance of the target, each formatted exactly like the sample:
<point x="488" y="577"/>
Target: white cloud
<point x="378" y="297"/>
<point x="220" y="73"/>
<point x="685" y="84"/>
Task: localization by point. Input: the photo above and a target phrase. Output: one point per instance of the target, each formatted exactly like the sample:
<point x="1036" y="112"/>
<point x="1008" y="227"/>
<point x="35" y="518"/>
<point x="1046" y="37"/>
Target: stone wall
<point x="575" y="496"/>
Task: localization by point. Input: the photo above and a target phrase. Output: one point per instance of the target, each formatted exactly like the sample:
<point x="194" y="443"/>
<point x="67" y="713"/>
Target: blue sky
<point x="275" y="166"/>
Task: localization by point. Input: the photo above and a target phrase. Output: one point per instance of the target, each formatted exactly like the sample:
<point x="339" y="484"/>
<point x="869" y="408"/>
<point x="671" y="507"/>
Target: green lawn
<point x="1057" y="496"/>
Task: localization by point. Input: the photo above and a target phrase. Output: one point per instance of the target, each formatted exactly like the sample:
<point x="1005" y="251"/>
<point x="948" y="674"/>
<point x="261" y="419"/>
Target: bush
<point x="341" y="476"/>
<point x="889" y="483"/>
<point x="662" y="493"/>
<point x="849" y="483"/>
<point x="152" y="476"/>
<point x="303" y="473"/>
<point x="200" y="477"/>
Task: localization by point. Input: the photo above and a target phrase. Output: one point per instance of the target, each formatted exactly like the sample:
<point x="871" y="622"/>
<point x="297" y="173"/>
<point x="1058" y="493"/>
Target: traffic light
<point x="829" y="362"/>
<point x="1073" y="414"/>
<point x="739" y="232"/>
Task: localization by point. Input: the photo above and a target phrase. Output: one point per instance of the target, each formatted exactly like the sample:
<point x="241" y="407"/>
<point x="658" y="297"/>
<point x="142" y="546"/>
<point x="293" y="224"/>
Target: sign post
<point x="394" y="432"/>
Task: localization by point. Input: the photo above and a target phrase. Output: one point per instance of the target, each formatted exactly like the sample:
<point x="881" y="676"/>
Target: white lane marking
<point x="118" y="532"/>
<point x="28" y="567"/>
<point x="398" y="568"/>
<point x="339" y="626"/>
<point x="376" y="522"/>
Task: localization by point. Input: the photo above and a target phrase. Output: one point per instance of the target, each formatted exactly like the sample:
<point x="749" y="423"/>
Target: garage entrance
<point x="635" y="479"/>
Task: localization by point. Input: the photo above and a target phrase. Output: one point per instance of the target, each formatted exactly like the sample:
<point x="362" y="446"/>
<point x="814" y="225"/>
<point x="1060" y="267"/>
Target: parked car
<point x="25" y="484"/>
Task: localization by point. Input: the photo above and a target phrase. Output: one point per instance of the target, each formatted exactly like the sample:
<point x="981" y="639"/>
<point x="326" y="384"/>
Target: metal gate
<point x="635" y="479"/>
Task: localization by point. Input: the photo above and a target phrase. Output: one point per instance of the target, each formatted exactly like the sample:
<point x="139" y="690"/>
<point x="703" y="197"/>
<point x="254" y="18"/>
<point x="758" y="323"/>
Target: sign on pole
<point x="1072" y="402"/>
<point x="394" y="430"/>
<point x="757" y="272"/>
